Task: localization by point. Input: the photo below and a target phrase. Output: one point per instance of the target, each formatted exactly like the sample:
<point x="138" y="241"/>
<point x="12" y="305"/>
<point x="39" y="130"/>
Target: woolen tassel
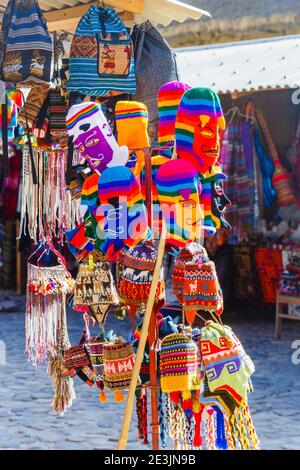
<point x="175" y="397"/>
<point x="64" y="392"/>
<point x="197" y="411"/>
<point x="162" y="422"/>
<point x="186" y="401"/>
<point x="249" y="424"/>
<point x="138" y="404"/>
<point x="244" y="438"/>
<point x="144" y="416"/>
<point x="118" y="396"/>
<point x="221" y="442"/>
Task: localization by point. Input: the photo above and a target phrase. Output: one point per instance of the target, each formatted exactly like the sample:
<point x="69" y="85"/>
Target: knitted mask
<point x="169" y="97"/>
<point x="199" y="120"/>
<point x="136" y="275"/>
<point x="156" y="162"/>
<point x="219" y="199"/>
<point x="195" y="282"/>
<point x="93" y="137"/>
<point x="132" y="123"/>
<point x="179" y="364"/>
<point x="226" y="364"/>
<point x="214" y="200"/>
<point x="122" y="213"/>
<point x="179" y="189"/>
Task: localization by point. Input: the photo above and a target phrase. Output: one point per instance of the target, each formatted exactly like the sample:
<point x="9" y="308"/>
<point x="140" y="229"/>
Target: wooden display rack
<point x="280" y="315"/>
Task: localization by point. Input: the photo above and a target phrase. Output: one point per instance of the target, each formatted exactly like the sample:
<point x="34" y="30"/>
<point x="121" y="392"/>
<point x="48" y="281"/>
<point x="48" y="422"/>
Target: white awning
<point x="65" y="14"/>
<point x="242" y="66"/>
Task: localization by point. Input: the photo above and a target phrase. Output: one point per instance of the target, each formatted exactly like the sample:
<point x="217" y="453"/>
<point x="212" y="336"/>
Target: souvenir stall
<point x="122" y="191"/>
<point x="260" y="153"/>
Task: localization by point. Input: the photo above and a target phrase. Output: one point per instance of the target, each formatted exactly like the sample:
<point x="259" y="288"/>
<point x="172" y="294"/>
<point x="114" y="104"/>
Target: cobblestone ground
<point x="27" y="422"/>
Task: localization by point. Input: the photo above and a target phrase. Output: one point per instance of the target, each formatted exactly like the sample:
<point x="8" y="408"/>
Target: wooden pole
<point x="153" y="320"/>
<point x="142" y="343"/>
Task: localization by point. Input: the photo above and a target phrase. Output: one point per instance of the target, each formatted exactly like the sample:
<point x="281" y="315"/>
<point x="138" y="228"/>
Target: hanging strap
<point x="33" y="170"/>
<point x="69" y="161"/>
<point x="5" y="136"/>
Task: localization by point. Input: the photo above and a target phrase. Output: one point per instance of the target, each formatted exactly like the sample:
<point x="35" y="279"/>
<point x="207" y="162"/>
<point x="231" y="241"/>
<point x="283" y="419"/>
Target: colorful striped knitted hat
<point x="169" y="97"/>
<point x="132" y="124"/>
<point x="179" y="364"/>
<point x="89" y="194"/>
<point x="179" y="190"/>
<point x="199" y="119"/>
<point x="80" y="114"/>
<point x="119" y="192"/>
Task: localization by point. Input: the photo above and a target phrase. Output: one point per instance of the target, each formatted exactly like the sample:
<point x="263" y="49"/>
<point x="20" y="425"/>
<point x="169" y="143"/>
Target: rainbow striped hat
<point x="195" y="104"/>
<point x="88" y="113"/>
<point x="169" y="97"/>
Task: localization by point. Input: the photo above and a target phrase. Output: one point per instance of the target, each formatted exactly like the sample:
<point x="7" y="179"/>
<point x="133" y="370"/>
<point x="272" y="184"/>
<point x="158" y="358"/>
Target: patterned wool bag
<point x="101" y="58"/>
<point x="95" y="288"/>
<point x="28" y="54"/>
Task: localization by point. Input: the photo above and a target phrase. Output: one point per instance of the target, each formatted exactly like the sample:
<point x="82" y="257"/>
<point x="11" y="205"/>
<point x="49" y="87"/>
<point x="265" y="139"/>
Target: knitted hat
<point x="122" y="214"/>
<point x="89" y="194"/>
<point x="136" y="275"/>
<point x="179" y="364"/>
<point x="195" y="282"/>
<point x="91" y="133"/>
<point x="226" y="364"/>
<point x="118" y="363"/>
<point x="78" y="243"/>
<point x="169" y="97"/>
<point x="131" y="124"/>
<point x="199" y="119"/>
<point x="178" y="188"/>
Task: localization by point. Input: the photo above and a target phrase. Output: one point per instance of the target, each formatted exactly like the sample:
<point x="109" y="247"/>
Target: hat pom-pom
<point x="118" y="397"/>
<point x="186" y="400"/>
<point x="102" y="396"/>
<point x="175" y="397"/>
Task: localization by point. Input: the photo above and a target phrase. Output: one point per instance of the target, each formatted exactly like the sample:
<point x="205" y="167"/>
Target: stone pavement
<point x="27" y="421"/>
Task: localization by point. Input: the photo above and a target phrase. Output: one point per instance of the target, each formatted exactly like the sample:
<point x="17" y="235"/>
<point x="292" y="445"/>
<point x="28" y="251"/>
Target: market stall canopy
<point x="65" y="14"/>
<point x="242" y="66"/>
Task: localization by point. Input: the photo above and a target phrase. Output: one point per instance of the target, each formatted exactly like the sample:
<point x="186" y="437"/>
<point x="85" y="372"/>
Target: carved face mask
<point x="197" y="130"/>
<point x="179" y="192"/>
<point x="92" y="135"/>
<point x="122" y="213"/>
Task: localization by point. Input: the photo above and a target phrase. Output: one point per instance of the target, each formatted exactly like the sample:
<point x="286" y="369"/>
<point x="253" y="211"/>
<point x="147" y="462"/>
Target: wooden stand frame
<point x="279" y="316"/>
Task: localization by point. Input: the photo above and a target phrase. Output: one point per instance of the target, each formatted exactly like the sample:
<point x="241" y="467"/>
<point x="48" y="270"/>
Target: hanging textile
<point x="293" y="157"/>
<point x="46" y="207"/>
<point x="239" y="186"/>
